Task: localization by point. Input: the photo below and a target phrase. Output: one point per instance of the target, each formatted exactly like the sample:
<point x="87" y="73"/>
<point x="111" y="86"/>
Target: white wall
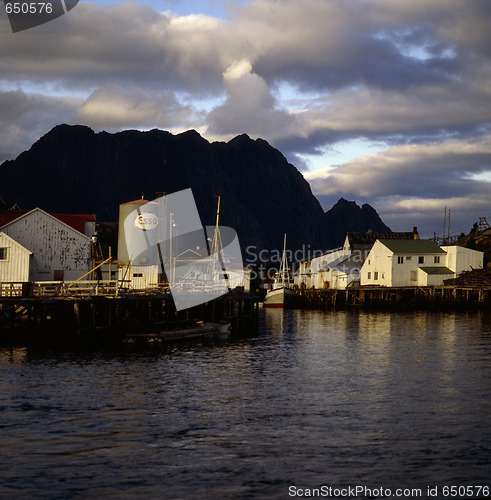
<point x="139" y="277"/>
<point x="377" y="268"/>
<point x="461" y="259"/>
<point x="319" y="262"/>
<point x="425" y="279"/>
<point x="384" y="265"/>
<point x="16" y="266"/>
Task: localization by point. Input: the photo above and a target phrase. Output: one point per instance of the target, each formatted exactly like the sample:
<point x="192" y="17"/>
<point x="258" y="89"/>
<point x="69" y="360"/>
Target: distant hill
<point x="72" y="169"/>
<point x="478" y="240"/>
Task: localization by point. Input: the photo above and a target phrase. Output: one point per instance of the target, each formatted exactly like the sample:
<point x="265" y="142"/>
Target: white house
<point x="400" y="263"/>
<point x="14" y="260"/>
<point x="59" y="252"/>
<point x="341" y="267"/>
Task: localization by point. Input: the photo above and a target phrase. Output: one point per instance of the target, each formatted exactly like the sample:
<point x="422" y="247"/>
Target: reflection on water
<point x="317" y="398"/>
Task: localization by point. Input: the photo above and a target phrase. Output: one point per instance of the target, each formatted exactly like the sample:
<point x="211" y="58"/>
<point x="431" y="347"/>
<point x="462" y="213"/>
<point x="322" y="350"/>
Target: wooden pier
<point x="398" y="299"/>
<point x="100" y="319"/>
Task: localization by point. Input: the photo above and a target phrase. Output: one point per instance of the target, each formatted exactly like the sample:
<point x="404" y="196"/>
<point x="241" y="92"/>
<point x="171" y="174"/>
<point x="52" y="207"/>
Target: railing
<point x="84" y="289"/>
<point x="12" y="289"/>
<point x="74" y="288"/>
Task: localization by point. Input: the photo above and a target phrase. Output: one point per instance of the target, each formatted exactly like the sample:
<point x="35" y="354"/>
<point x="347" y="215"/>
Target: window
<point x="408" y="258"/>
<point x="400" y="260"/>
<point x="137" y="275"/>
<point x="437" y="260"/>
<point x="58" y="275"/>
<point x="421" y="260"/>
<point x="369" y="275"/>
<point x="375" y="275"/>
<point x="4" y="252"/>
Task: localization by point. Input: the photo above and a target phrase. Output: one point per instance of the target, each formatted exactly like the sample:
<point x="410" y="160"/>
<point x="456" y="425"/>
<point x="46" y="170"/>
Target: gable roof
<point x="412" y="246"/>
<point x="192" y="254"/>
<point x="54" y="218"/>
<point x="344" y="263"/>
<point x="76" y="221"/>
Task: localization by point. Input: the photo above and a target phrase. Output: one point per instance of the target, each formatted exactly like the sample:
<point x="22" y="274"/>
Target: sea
<point x="313" y="404"/>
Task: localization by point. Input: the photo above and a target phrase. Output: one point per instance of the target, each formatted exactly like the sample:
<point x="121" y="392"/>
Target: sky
<point x="386" y="102"/>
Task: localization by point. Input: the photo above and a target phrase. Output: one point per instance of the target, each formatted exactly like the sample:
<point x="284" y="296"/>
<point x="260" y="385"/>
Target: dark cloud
<point x="418" y="180"/>
<point x="405" y="74"/>
<point x="26" y="117"/>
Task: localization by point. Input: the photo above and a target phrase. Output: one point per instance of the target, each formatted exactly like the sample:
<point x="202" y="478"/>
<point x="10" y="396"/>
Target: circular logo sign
<point x="146" y="221"/>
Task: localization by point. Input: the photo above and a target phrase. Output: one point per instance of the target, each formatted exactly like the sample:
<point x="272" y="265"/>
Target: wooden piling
<point x="443" y="297"/>
<point x="110" y="318"/>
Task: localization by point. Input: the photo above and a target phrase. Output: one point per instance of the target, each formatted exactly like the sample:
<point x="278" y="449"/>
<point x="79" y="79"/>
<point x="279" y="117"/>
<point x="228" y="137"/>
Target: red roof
<point x="136" y="202"/>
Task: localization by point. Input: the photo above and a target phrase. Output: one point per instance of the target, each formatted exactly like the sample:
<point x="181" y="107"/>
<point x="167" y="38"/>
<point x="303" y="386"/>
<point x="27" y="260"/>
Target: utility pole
<point x="444" y="223"/>
<point x="448" y="237"/>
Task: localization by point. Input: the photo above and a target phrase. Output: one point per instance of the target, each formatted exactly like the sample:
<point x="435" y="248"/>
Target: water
<point x="315" y="399"/>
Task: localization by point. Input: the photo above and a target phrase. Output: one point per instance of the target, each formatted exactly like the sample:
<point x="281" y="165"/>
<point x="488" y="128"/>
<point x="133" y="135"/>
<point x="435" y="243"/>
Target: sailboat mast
<point x="217" y="246"/>
<point x="284" y="264"/>
<point x="218" y="212"/>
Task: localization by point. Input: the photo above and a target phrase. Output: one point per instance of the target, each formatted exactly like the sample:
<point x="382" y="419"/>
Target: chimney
<point x="415" y="233"/>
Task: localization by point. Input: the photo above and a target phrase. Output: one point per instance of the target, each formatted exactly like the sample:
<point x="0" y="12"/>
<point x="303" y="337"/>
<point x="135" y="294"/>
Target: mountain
<point x="347" y="214"/>
<point x="72" y="169"/>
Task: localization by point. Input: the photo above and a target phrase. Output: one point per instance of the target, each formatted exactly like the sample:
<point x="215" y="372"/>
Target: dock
<point x="99" y="316"/>
<point x="397" y="299"/>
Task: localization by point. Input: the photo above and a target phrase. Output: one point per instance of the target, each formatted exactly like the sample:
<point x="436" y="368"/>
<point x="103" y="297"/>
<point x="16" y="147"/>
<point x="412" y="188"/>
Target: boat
<point x="198" y="331"/>
<point x="281" y="292"/>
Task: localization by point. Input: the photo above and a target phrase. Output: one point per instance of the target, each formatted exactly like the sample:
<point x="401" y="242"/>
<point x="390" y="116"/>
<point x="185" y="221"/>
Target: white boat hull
<point x="280" y="297"/>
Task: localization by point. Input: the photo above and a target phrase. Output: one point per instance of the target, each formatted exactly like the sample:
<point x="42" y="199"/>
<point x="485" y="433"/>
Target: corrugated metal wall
<point x="15" y="264"/>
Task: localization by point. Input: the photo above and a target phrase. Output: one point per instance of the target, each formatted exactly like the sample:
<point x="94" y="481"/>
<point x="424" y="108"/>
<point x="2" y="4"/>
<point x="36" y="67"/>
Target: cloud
<point x="415" y="76"/>
<point x="250" y="106"/>
<point x="112" y="107"/>
<point x="416" y="180"/>
<point x="328" y="45"/>
<point x="410" y="170"/>
<point x="127" y="43"/>
<point x="26" y="117"/>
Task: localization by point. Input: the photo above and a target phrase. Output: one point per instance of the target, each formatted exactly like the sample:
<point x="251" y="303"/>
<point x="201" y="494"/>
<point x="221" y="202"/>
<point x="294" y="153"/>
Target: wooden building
<point x="341" y="267"/>
<point x="402" y="263"/>
<point x="14" y="260"/>
<point x="58" y="251"/>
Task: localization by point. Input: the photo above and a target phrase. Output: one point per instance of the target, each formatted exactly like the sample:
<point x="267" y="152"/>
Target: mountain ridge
<point x="74" y="169"/>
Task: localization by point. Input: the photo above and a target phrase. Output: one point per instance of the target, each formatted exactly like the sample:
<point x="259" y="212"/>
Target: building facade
<point x="401" y="263"/>
<point x="341" y="267"/>
<point x="59" y="252"/>
<point x="14" y="260"/>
